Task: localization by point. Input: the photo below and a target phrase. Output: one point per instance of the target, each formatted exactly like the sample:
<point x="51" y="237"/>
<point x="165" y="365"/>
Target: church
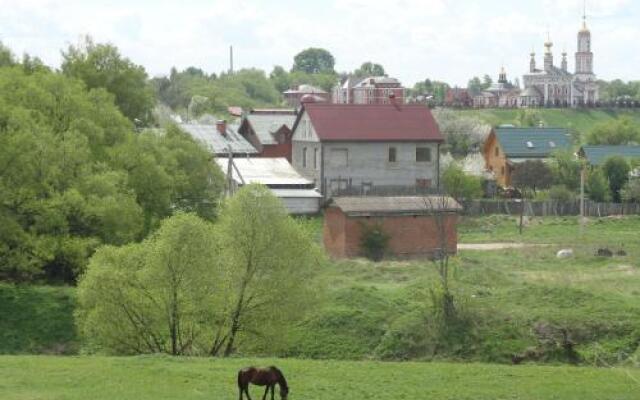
<point x="551" y="86"/>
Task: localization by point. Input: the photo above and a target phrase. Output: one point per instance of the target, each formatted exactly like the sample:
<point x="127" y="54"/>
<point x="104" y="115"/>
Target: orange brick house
<point x="411" y="223"/>
<point x="506" y="147"/>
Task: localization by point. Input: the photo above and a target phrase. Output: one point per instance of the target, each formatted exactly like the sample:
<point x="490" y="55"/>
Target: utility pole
<point x="231" y="60"/>
<point x="229" y="172"/>
<point x="582" y="218"/>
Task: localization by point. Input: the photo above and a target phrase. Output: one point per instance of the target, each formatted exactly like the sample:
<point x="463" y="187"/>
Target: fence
<point x="548" y="208"/>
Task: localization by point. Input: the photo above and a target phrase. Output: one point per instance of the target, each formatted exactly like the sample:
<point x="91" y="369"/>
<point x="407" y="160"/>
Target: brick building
<point x="269" y="131"/>
<point x="294" y="96"/>
<point x="411" y="223"/>
<point x="371" y="90"/>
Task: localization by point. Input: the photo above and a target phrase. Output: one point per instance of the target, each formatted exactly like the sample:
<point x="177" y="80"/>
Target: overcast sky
<point x="412" y="39"/>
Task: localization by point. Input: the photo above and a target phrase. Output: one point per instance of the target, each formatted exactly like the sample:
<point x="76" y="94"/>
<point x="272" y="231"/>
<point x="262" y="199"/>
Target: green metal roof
<point x="532" y="142"/>
<point x="597" y="155"/>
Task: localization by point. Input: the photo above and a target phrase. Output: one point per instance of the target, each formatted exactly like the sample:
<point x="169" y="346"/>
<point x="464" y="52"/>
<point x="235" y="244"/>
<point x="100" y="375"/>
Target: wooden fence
<point x="548" y="208"/>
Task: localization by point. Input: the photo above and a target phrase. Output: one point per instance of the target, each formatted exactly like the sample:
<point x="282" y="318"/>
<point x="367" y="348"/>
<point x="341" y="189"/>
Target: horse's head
<point x="284" y="392"/>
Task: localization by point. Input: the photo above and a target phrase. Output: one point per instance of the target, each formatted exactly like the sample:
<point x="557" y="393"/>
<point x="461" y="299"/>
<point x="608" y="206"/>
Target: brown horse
<point x="262" y="377"/>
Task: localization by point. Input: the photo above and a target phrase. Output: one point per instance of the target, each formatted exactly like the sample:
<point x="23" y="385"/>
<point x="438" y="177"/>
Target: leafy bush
<point x="616" y="170"/>
<point x="597" y="186"/>
<point x="373" y="241"/>
<point x="560" y="193"/>
<point x="631" y="191"/>
<point x="459" y="185"/>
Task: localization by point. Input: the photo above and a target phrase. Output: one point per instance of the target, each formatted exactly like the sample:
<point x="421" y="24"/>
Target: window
<point x="315" y="159"/>
<point x="339" y="158"/>
<point x="423" y="183"/>
<point x="502" y="171"/>
<point x="392" y="155"/>
<point x="423" y="154"/>
<point x="304" y="157"/>
<point x="497" y="151"/>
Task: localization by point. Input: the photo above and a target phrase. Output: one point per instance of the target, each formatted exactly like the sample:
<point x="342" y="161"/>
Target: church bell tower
<point x="584" y="56"/>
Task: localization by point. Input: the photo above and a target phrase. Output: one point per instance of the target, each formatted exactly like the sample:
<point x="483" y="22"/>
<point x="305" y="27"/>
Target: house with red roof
<point x="367" y="148"/>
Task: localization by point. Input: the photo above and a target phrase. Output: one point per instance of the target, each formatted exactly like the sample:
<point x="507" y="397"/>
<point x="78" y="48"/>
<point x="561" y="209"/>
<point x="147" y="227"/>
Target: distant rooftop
<point x="532" y="142"/>
<point x="216" y="142"/>
<point x="597" y="155"/>
<point x="373" y="205"/>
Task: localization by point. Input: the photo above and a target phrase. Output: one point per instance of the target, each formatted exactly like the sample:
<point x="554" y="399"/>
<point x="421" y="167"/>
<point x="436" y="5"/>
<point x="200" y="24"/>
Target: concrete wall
<point x="302" y="205"/>
<point x="305" y="138"/>
<point x="368" y="162"/>
<point x="410" y="236"/>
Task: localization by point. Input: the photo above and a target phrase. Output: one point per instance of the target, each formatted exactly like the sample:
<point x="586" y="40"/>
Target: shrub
<point x="560" y="193"/>
<point x="616" y="169"/>
<point x="597" y="186"/>
<point x="460" y="185"/>
<point x="374" y="241"/>
<point x="631" y="191"/>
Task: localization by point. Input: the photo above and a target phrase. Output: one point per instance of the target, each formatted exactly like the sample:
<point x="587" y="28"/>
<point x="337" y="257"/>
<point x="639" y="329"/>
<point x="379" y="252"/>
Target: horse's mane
<point x="281" y="381"/>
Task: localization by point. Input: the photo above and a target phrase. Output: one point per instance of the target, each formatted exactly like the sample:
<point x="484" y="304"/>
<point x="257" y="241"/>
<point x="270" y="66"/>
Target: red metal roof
<point x="373" y="122"/>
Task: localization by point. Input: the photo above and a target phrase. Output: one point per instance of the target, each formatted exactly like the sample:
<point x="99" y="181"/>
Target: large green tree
<point x="621" y="131"/>
<point x="272" y="260"/>
<point x="161" y="296"/>
<point x="74" y="175"/>
<point x="102" y="66"/>
<point x="616" y="169"/>
<point x="369" y="69"/>
<point x="314" y="60"/>
<point x="203" y="289"/>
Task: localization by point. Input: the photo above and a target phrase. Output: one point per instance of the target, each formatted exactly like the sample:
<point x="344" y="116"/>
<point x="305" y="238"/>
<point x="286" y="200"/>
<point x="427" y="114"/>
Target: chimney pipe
<point x="221" y="126"/>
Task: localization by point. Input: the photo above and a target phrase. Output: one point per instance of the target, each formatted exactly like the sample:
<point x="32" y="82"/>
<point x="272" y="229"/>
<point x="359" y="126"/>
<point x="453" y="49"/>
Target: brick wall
<point x="410" y="236"/>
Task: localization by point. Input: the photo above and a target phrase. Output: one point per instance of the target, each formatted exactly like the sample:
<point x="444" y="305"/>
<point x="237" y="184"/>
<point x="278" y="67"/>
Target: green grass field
<point x="153" y="378"/>
<point x="383" y="311"/>
<point x="580" y="120"/>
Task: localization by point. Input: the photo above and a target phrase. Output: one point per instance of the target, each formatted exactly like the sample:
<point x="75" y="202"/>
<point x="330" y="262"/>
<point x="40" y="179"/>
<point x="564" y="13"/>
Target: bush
<point x="616" y="169"/>
<point x="597" y="186"/>
<point x="460" y="185"/>
<point x="560" y="193"/>
<point x="631" y="191"/>
<point x="373" y="241"/>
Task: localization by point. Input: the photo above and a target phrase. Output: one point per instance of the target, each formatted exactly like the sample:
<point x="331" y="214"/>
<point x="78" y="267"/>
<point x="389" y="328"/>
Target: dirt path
<point x="496" y="246"/>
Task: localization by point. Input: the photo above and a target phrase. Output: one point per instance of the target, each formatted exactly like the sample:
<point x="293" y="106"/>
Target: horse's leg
<point x="241" y="389"/>
<point x="246" y="390"/>
<point x="266" y="390"/>
<point x="273" y="387"/>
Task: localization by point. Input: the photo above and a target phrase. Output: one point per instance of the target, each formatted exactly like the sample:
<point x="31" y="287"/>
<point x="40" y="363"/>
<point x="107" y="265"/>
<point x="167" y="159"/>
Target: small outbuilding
<point x="297" y="193"/>
<point x="416" y="226"/>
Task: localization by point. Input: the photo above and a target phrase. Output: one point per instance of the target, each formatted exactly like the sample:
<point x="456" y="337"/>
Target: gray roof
<point x="378" y="80"/>
<point x="305" y="88"/>
<point x="266" y="171"/>
<point x="414" y="205"/>
<point x="597" y="155"/>
<point x="532" y="142"/>
<point x="217" y="143"/>
<point x="264" y="125"/>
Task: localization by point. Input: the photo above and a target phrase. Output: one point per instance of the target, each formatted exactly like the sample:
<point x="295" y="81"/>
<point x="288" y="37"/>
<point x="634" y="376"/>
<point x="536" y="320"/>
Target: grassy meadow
<point x="512" y="301"/>
<point x="581" y="120"/>
<point x="142" y="378"/>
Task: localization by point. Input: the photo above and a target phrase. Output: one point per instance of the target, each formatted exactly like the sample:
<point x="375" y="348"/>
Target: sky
<point x="444" y="40"/>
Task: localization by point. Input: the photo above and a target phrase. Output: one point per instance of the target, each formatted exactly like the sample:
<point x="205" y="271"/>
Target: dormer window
<point x="530" y="145"/>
